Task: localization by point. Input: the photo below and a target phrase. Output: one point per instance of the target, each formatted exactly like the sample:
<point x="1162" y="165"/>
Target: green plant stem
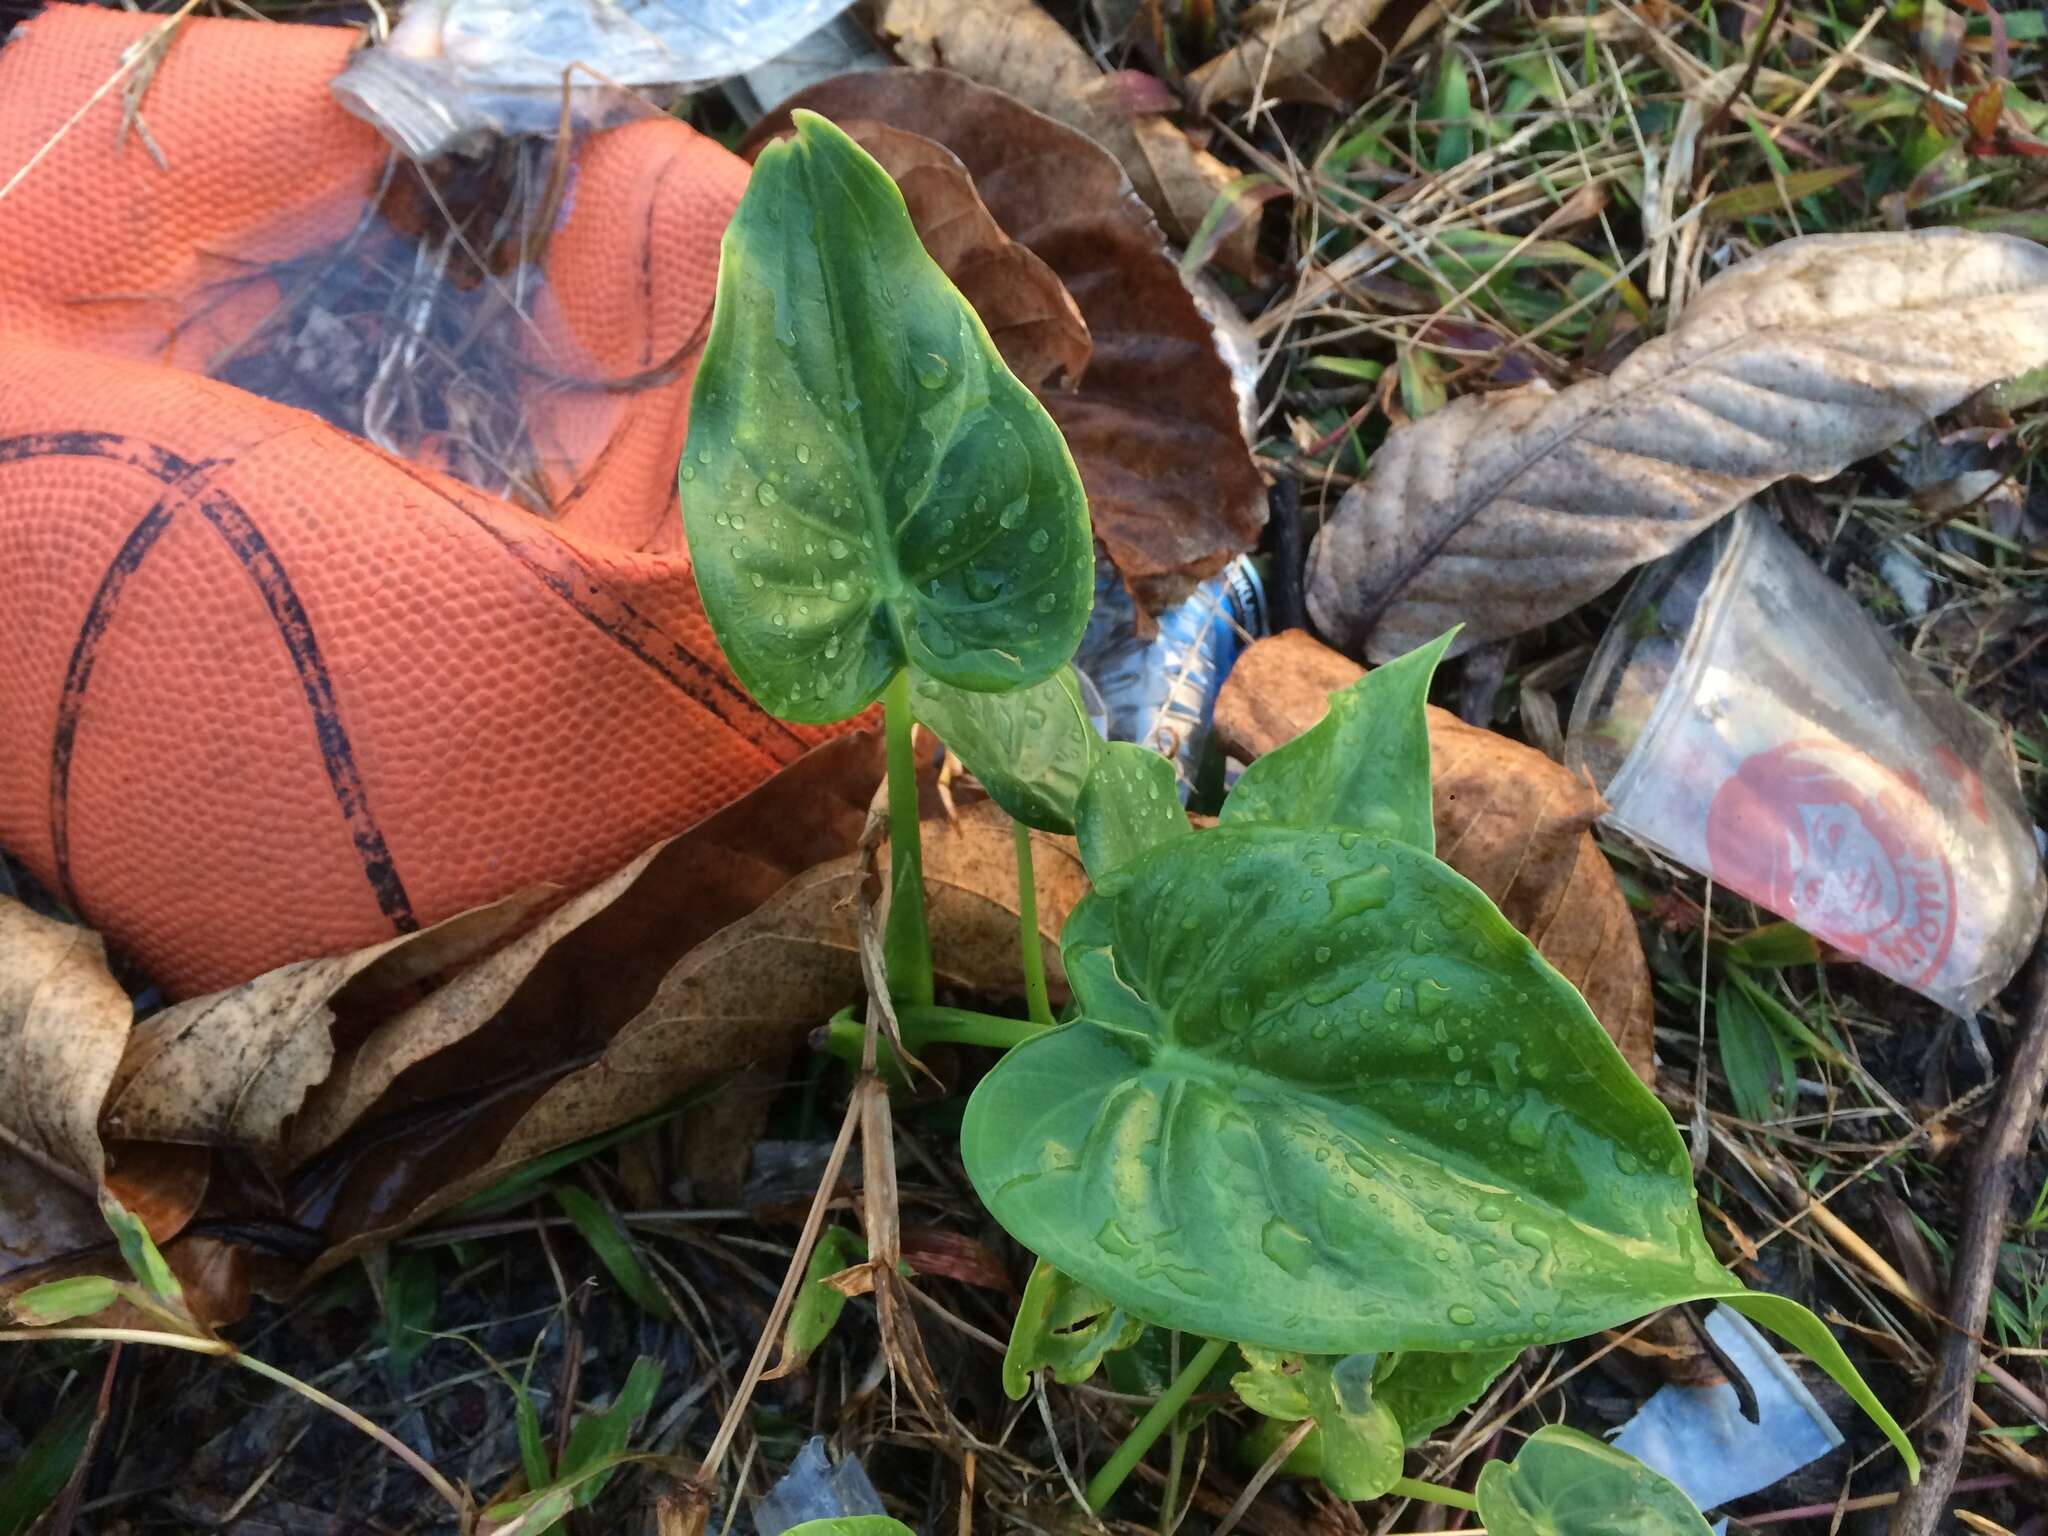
<point x="1432" y="1493"/>
<point x="930" y="1025"/>
<point x="1033" y="946"/>
<point x="1103" y="1486"/>
<point x="200" y="1345"/>
<point x="907" y="945"/>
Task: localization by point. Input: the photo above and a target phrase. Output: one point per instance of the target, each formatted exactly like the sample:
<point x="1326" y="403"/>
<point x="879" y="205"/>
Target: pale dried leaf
<point x="1314" y="50"/>
<point x="64" y="1021"/>
<point x="1027" y="310"/>
<point x="753" y="990"/>
<point x="1016" y="47"/>
<point x="1508" y="819"/>
<point x="1504" y="511"/>
<point x="232" y="1068"/>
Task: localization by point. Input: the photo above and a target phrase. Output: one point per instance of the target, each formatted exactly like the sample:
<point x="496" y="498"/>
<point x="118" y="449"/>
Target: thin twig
<point x="1993" y="1173"/>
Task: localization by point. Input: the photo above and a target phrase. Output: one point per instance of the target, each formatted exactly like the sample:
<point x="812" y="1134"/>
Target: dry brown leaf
<point x="1325" y="51"/>
<point x="1154" y="425"/>
<point x="1016" y="47"/>
<point x="64" y="1022"/>
<point x="750" y="992"/>
<point x="232" y="1068"/>
<point x="1030" y="316"/>
<point x="1508" y="819"/>
<point x="1503" y="511"/>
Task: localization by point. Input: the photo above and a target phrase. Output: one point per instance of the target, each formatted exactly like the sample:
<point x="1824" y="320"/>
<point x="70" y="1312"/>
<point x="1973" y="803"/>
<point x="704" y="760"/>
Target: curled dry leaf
<point x="1153" y="426"/>
<point x="232" y="1068"/>
<point x="1508" y="819"/>
<point x="1016" y="47"/>
<point x="1326" y="51"/>
<point x="1030" y="316"/>
<point x="1503" y="511"/>
<point x="64" y="1023"/>
<point x="63" y="1026"/>
<point x="749" y="992"/>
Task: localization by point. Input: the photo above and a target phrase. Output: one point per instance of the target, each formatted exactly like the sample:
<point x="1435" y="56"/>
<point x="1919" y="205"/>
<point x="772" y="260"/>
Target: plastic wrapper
<point x="815" y="1489"/>
<point x="1698" y="1437"/>
<point x="1161" y="692"/>
<point x="455" y="73"/>
<point x="1746" y="717"/>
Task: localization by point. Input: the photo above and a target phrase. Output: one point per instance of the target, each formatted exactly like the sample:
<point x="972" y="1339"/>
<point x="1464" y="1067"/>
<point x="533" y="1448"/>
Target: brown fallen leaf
<point x="1503" y="511"/>
<point x="232" y="1068"/>
<point x="749" y="992"/>
<point x="1508" y="819"/>
<point x="64" y="1022"/>
<point x="1030" y="316"/>
<point x="1016" y="47"/>
<point x="1323" y="51"/>
<point x="1153" y="427"/>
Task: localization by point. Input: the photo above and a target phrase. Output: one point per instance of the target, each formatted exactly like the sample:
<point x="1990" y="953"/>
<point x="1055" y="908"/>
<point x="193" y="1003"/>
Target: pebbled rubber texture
<point x="265" y="691"/>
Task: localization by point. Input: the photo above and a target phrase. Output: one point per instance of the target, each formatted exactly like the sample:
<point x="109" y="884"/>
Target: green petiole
<point x="1032" y="947"/>
<point x="907" y="945"/>
<point x="1103" y="1486"/>
<point x="1431" y="1493"/>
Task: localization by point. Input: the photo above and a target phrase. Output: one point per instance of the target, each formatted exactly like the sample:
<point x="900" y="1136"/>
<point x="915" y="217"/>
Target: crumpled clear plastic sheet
<point x="455" y="73"/>
<point x="815" y="1489"/>
<point x="1697" y="1436"/>
<point x="1745" y="716"/>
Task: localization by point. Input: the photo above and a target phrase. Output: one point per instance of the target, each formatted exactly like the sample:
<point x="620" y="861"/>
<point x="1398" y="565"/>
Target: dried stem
<point x="1993" y="1173"/>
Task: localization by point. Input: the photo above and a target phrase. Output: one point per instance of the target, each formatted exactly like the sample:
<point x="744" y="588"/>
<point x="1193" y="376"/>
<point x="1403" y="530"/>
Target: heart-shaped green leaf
<point x="865" y="485"/>
<point x="1320" y="1096"/>
<point x="1064" y="1325"/>
<point x="1365" y="764"/>
<point x="1031" y="748"/>
<point x="1129" y="806"/>
<point x="1563" y="1483"/>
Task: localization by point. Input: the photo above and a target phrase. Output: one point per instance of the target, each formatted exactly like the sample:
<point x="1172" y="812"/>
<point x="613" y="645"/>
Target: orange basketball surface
<point x="267" y="691"/>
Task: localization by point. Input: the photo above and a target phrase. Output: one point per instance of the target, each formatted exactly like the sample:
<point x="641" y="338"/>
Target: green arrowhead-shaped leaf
<point x="1129" y="806"/>
<point x="1062" y="1324"/>
<point x="1563" y="1483"/>
<point x="1365" y="764"/>
<point x="1031" y="748"/>
<point x="1426" y="1389"/>
<point x="865" y="485"/>
<point x="1321" y="1097"/>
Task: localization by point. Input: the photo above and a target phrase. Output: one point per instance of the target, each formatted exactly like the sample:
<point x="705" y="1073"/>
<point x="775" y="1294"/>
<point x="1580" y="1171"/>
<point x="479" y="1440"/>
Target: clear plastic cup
<point x="1747" y="718"/>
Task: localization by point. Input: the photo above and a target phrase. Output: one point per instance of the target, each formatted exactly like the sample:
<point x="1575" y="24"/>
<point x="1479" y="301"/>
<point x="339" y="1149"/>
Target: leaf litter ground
<point x="1504" y="206"/>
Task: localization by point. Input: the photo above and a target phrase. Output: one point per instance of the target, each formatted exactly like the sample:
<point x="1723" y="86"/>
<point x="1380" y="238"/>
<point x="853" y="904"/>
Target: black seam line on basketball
<point x="159" y="463"/>
<point x="639" y="636"/>
<point x="715" y="697"/>
<point x="295" y="628"/>
<point x="177" y="475"/>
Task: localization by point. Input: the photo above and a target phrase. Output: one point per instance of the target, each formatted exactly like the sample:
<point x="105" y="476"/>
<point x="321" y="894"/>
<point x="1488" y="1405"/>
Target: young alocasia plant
<point x="1318" y="1096"/>
<point x="869" y="493"/>
<point x="1317" y="1103"/>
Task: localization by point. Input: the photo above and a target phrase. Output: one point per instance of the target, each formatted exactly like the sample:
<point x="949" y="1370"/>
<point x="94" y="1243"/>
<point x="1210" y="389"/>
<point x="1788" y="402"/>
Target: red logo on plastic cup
<point x="1844" y="847"/>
